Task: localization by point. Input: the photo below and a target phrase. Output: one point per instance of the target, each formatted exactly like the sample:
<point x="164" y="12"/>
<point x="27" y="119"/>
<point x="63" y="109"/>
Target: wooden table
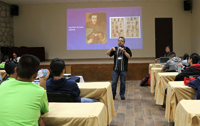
<point x="154" y="73"/>
<point x="188" y="113"/>
<point x="162" y="84"/>
<point x="76" y="114"/>
<point x="101" y="91"/>
<point x="154" y="65"/>
<point x="176" y="91"/>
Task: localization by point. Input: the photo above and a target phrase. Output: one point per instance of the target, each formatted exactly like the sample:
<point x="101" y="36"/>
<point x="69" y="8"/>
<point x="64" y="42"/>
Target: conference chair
<point x="60" y="97"/>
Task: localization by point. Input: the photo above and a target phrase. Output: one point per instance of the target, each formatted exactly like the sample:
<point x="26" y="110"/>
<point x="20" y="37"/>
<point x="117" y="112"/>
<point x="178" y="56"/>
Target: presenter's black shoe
<point x="113" y="97"/>
<point x="122" y="97"/>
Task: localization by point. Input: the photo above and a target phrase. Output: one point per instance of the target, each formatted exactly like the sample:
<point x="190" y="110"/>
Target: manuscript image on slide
<point x="132" y="27"/>
<point x="96" y="29"/>
<point x="128" y="27"/>
<point x="117" y="27"/>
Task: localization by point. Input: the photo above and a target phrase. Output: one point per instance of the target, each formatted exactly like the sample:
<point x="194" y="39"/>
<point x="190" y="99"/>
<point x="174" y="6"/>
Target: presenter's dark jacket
<point x="63" y="86"/>
<point x="192" y="70"/>
<point x="125" y="59"/>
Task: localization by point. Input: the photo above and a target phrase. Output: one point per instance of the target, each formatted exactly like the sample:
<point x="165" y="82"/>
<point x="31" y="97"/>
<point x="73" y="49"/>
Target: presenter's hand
<point x="113" y="49"/>
<point x="122" y="49"/>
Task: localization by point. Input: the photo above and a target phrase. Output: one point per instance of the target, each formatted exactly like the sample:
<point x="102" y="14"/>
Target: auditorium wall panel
<point x="103" y="72"/>
<point x="45" y="26"/>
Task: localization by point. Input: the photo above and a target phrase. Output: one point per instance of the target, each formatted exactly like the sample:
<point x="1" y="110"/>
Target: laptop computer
<point x="163" y="60"/>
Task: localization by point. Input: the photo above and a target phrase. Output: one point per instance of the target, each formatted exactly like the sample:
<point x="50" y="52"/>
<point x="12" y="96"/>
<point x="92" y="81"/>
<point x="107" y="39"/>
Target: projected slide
<point x="100" y="28"/>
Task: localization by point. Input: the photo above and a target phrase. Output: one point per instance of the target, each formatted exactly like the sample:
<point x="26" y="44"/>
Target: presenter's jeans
<point x="115" y="76"/>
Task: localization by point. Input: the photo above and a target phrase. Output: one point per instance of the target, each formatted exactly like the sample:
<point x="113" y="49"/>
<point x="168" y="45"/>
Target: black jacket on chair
<point x="192" y="70"/>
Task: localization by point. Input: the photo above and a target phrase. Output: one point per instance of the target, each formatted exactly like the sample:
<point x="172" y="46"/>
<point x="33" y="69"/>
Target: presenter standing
<point x="121" y="56"/>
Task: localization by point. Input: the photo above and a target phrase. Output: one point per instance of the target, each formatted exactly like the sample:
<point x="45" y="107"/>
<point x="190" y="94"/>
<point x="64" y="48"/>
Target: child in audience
<point x="59" y="84"/>
<point x="21" y="100"/>
<point x="10" y="68"/>
<point x="185" y="61"/>
<point x="172" y="63"/>
<point x="4" y="59"/>
<point x="194" y="68"/>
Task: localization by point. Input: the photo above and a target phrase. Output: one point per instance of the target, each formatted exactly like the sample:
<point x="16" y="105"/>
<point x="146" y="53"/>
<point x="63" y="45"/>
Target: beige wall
<point x="45" y="25"/>
<point x="196" y="26"/>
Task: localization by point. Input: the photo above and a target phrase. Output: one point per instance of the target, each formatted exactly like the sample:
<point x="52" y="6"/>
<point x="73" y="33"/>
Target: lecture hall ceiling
<point x="67" y="1"/>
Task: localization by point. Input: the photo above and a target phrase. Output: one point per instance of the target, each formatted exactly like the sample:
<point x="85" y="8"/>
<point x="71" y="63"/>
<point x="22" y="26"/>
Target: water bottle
<point x="0" y="77"/>
<point x="156" y="60"/>
<point x="179" y="69"/>
<point x="42" y="73"/>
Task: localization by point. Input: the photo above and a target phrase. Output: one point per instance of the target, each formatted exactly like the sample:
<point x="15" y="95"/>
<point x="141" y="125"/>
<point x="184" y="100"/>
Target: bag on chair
<point x="189" y="78"/>
<point x="145" y="80"/>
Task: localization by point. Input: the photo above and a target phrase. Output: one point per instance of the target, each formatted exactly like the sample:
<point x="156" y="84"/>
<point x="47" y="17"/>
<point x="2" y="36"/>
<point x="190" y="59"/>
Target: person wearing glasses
<point x="121" y="55"/>
<point x="167" y="51"/>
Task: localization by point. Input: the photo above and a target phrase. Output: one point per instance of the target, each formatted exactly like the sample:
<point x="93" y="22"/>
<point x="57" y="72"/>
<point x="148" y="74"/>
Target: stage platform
<point x="101" y="69"/>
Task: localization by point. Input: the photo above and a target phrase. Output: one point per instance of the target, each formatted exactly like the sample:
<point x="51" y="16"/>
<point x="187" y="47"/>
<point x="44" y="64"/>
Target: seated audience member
<point x="194" y="68"/>
<point x="59" y="84"/>
<point x="15" y="57"/>
<point x="172" y="63"/>
<point x="4" y="59"/>
<point x="21" y="100"/>
<point x="167" y="51"/>
<point x="10" y="68"/>
<point x="196" y="85"/>
<point x="185" y="60"/>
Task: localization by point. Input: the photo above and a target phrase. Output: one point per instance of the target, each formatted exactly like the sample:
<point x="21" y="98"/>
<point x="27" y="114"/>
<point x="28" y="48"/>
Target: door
<point x="164" y="35"/>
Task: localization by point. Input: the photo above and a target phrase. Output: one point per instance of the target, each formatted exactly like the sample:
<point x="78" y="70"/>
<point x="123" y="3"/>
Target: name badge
<point x="119" y="58"/>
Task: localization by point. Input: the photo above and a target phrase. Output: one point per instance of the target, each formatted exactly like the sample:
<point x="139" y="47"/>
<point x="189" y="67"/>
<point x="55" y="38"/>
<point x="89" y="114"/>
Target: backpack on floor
<point x="145" y="80"/>
<point x="149" y="80"/>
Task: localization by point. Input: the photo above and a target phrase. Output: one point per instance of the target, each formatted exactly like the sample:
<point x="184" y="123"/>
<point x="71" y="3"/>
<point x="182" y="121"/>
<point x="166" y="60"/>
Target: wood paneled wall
<point x="103" y="72"/>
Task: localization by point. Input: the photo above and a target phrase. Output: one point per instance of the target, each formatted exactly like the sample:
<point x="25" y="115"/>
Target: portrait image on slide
<point x="96" y="28"/>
